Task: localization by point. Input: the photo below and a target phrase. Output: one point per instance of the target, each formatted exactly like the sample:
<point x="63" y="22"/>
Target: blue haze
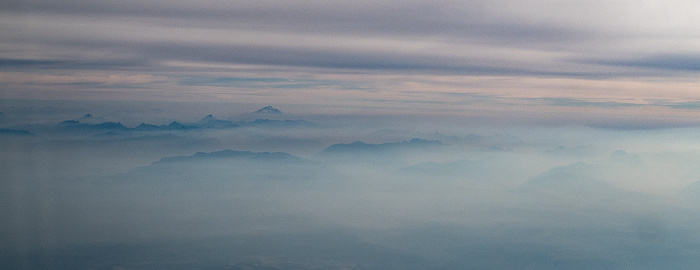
<point x="338" y="192"/>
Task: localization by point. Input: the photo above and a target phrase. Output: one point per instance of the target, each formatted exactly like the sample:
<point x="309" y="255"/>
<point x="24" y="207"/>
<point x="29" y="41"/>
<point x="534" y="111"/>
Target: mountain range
<point x="232" y="154"/>
<point x="359" y="147"/>
<point x="225" y="167"/>
<point x="265" y="117"/>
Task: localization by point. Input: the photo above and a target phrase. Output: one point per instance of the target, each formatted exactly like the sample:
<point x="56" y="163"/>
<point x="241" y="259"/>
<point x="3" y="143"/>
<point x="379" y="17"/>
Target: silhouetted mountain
<point x="231" y="154"/>
<point x="210" y="122"/>
<point x="77" y="125"/>
<point x="359" y="147"/>
<point x="578" y="180"/>
<point x="226" y="167"/>
<point x="175" y="125"/>
<point x="269" y="109"/>
<point x="206" y="122"/>
<point x="148" y="127"/>
<point x="15" y="132"/>
<point x="69" y="122"/>
<point x="267" y="112"/>
<point x="350" y="147"/>
<point x="621" y="158"/>
<point x="386" y="154"/>
<point x="90" y="119"/>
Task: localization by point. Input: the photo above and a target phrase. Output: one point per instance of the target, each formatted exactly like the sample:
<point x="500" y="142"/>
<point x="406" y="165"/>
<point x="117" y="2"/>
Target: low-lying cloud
<point x="303" y="196"/>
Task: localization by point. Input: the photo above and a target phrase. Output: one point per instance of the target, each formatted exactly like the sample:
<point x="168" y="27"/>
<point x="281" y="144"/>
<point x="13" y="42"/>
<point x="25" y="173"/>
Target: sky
<point x="578" y="59"/>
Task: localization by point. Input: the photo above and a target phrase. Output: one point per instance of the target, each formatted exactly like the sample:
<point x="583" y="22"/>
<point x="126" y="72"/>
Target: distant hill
<point x="359" y="147"/>
<point x="90" y="119"/>
<point x="226" y="166"/>
<point x="210" y="122"/>
<point x="391" y="154"/>
<point x="580" y="182"/>
<point x="231" y="154"/>
<point x="15" y="132"/>
<point x="268" y="113"/>
<point x="175" y="125"/>
<point x="577" y="178"/>
<point x="76" y="125"/>
<point x="269" y="110"/>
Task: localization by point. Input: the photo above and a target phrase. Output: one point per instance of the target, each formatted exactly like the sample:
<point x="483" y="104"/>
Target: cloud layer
<point x="400" y="52"/>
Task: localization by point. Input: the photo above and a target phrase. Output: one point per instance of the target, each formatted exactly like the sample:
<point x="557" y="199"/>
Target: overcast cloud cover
<point x="364" y="55"/>
<point x="404" y="134"/>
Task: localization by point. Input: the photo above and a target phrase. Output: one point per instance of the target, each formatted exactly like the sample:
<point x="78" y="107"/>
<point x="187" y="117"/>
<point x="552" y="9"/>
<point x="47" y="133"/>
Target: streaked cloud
<point x="613" y="50"/>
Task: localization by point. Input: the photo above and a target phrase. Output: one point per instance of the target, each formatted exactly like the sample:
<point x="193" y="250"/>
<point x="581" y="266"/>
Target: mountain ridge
<point x="207" y="122"/>
<point x="359" y="146"/>
<point x="267" y="112"/>
<point x="231" y="154"/>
